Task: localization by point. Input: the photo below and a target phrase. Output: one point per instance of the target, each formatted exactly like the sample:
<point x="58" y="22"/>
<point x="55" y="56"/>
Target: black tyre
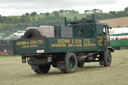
<point x="31" y="33"/>
<point x="101" y="59"/>
<point x="41" y="69"/>
<point x="80" y="64"/>
<point x="22" y="37"/>
<point x="106" y="58"/>
<point x="70" y="63"/>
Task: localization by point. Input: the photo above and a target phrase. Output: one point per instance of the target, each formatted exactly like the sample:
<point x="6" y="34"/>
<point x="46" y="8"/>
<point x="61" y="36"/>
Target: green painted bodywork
<point x="56" y="45"/>
<point x="119" y="43"/>
<point x="86" y="37"/>
<point x="119" y="34"/>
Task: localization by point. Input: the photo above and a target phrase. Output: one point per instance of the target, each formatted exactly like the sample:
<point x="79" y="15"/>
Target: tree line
<point x="9" y="24"/>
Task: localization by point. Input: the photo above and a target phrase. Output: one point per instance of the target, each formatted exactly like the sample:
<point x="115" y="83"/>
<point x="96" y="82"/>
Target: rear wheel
<point x="70" y="63"/>
<point x="41" y="69"/>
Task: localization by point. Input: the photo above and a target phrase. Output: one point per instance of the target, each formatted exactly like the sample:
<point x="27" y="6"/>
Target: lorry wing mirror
<point x="110" y="27"/>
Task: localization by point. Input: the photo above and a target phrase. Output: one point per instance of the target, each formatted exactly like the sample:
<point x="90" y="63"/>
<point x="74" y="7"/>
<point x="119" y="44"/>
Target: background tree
<point x="26" y="14"/>
<point x="10" y="23"/>
<point x="113" y="12"/>
<point x="47" y="14"/>
<point x="33" y="14"/>
<point x="61" y="12"/>
<point x="87" y="11"/>
<point x="56" y="13"/>
<point x="96" y="11"/>
<point x="126" y="9"/>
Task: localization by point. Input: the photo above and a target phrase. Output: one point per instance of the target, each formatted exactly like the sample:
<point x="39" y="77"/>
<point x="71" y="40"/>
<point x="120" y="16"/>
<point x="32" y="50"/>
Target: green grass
<point x="7" y="56"/>
<point x="13" y="72"/>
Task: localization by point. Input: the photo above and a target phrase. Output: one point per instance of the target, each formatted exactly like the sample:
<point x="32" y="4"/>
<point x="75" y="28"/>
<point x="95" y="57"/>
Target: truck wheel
<point x="106" y="58"/>
<point x="80" y="64"/>
<point x="70" y="63"/>
<point x="41" y="69"/>
<point x="101" y="59"/>
<point x="22" y="37"/>
<point x="32" y="33"/>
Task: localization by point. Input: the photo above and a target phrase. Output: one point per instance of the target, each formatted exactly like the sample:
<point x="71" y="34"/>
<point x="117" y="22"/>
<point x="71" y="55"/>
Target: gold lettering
<point x="58" y="45"/>
<point x="100" y="41"/>
<point x="39" y="41"/>
<point x="21" y="43"/>
<point x="78" y="41"/>
<point x="33" y="42"/>
<point x="29" y="44"/>
<point x="71" y="45"/>
<point x="86" y="42"/>
<point x="78" y="45"/>
<point x="63" y="41"/>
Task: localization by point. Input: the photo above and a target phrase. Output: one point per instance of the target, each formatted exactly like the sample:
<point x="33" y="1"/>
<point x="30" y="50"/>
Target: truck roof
<point x="81" y="21"/>
<point x="85" y="21"/>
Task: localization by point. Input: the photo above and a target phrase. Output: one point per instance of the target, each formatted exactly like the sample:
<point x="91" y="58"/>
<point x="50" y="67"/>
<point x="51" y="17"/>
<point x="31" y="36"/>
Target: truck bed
<point x="53" y="45"/>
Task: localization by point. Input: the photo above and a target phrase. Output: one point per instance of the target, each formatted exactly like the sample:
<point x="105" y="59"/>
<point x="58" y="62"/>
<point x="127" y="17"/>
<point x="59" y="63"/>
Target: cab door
<point x="106" y="36"/>
<point x="101" y="37"/>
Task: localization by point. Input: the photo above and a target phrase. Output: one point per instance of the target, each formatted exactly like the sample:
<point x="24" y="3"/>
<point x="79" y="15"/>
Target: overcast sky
<point x="19" y="7"/>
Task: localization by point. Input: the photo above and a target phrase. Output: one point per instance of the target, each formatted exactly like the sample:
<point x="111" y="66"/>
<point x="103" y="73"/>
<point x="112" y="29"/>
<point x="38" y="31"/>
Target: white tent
<point x="118" y="30"/>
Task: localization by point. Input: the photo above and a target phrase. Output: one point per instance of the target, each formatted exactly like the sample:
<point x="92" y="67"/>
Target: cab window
<point x="105" y="30"/>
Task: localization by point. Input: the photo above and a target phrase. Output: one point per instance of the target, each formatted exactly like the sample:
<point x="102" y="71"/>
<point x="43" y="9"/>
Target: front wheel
<point x="106" y="58"/>
<point x="70" y="63"/>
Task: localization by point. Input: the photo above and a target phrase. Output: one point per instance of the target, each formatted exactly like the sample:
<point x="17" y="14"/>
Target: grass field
<point x="13" y="72"/>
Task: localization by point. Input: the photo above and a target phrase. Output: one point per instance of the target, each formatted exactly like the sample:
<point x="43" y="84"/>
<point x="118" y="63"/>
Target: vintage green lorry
<point x="84" y="41"/>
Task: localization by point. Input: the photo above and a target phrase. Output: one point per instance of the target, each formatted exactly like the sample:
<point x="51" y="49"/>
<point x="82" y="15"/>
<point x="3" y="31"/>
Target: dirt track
<point x="123" y="22"/>
<point x="13" y="72"/>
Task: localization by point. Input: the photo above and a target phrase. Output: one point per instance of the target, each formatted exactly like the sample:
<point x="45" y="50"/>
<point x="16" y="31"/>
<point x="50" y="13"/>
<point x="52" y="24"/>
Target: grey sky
<point x="18" y="7"/>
